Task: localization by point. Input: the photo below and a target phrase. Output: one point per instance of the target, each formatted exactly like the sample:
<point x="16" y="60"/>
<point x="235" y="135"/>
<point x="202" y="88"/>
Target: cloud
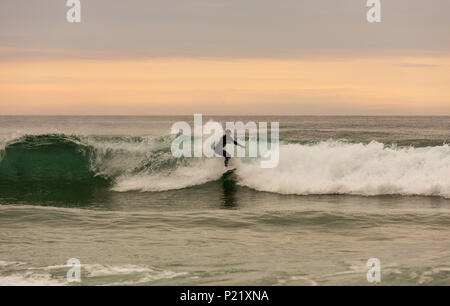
<point x="223" y="28"/>
<point x="417" y="65"/>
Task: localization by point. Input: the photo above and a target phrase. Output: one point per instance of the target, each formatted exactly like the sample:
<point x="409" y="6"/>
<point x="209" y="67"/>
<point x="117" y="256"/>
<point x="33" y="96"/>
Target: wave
<point x="46" y="157"/>
<point x="335" y="167"/>
<point x="57" y="161"/>
<point x="196" y="173"/>
<point x="124" y="164"/>
<point x="22" y="274"/>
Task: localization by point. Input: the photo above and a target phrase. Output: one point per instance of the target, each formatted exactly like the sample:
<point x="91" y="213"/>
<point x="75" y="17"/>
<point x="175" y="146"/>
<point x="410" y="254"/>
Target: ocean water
<point x="107" y="191"/>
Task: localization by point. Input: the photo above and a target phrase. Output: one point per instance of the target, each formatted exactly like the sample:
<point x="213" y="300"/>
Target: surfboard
<point x="228" y="170"/>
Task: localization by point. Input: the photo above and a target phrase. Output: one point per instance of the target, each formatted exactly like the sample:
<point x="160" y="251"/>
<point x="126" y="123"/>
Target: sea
<point x="351" y="198"/>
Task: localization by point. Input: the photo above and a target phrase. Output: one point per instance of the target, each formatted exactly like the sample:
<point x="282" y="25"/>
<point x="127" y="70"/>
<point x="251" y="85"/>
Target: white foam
<point x="39" y="276"/>
<point x="199" y="171"/>
<point x="150" y="277"/>
<point x="117" y="157"/>
<point x="334" y="167"/>
<point x="144" y="274"/>
<point x="10" y="263"/>
<point x="95" y="270"/>
<point x="30" y="279"/>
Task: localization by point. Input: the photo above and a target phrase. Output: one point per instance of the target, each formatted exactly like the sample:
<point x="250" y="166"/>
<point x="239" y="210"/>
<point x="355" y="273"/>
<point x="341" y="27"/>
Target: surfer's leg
<point x="227" y="157"/>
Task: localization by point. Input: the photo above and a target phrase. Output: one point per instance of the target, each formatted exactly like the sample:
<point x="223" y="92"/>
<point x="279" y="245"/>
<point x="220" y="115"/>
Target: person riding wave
<point x="220" y="147"/>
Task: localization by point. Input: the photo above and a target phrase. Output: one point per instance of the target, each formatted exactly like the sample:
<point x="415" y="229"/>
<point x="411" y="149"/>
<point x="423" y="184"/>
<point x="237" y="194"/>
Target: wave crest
<point x="335" y="167"/>
<point x="146" y="164"/>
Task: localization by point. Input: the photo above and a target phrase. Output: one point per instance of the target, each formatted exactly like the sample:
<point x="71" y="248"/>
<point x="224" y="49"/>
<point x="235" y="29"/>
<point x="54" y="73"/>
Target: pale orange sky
<point x="317" y="85"/>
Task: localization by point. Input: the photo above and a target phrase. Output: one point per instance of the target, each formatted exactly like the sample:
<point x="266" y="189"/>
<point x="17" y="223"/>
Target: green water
<point x="107" y="192"/>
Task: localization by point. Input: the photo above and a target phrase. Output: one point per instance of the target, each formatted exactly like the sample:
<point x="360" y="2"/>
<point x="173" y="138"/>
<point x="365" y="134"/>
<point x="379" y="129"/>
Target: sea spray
<point x="334" y="167"/>
<point x="145" y="164"/>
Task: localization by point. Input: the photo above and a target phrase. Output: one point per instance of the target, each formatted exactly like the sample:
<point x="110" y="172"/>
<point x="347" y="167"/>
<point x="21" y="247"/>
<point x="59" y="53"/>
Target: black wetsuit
<point x="221" y="147"/>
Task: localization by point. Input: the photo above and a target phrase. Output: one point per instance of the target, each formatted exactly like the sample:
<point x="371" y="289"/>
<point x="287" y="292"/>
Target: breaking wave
<point x="335" y="167"/>
<point x="124" y="164"/>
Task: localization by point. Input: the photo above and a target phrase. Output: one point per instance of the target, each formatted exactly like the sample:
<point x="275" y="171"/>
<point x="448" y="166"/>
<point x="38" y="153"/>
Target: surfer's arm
<point x="232" y="140"/>
<point x="237" y="144"/>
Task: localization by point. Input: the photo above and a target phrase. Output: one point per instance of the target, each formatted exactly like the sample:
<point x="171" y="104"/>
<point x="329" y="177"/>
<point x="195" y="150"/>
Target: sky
<point x="243" y="57"/>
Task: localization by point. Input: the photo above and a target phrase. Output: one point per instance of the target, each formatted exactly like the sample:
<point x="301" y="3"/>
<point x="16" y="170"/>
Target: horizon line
<point x="215" y="115"/>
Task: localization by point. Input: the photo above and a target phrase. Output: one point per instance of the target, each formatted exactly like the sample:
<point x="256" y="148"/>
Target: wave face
<point x="53" y="161"/>
<point x="46" y="163"/>
<point x="48" y="169"/>
<point x="46" y="158"/>
<point x="335" y="167"/>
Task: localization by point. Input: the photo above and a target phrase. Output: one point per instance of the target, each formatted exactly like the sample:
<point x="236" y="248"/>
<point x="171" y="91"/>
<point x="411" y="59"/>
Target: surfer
<point x="220" y="147"/>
